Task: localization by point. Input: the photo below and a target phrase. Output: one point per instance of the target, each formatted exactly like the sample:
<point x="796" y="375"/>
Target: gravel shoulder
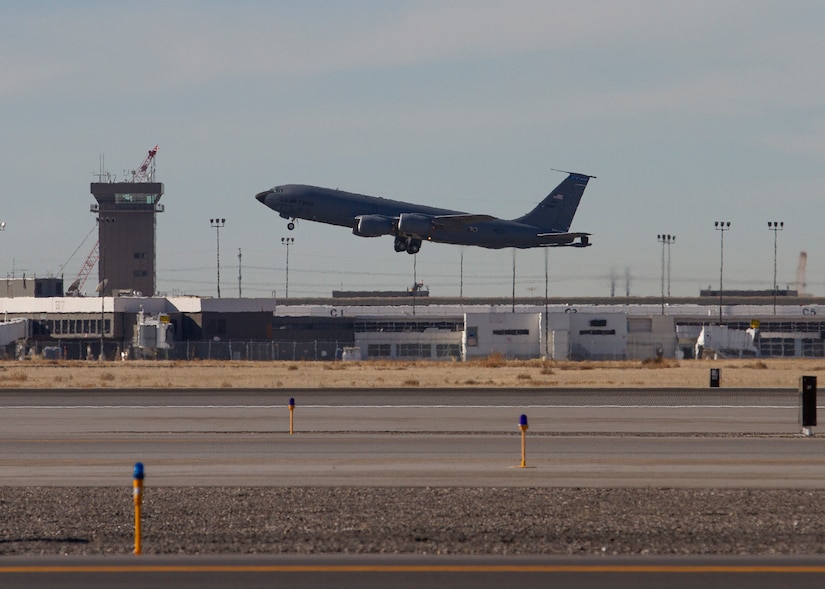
<point x="75" y="521"/>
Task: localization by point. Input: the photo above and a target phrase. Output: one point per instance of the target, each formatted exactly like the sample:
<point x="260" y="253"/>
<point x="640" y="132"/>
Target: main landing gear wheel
<point x="413" y="246"/>
<point x="401" y="244"/>
<point x="290" y="225"/>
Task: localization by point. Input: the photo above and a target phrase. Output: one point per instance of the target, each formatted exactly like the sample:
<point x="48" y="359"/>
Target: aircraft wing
<point x="447" y="221"/>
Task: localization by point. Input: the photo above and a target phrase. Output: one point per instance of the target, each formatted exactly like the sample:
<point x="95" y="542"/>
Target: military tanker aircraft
<point x="547" y="225"/>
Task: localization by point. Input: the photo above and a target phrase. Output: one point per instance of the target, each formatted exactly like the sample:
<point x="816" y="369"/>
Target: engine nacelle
<point x="415" y="224"/>
<point x="373" y="225"/>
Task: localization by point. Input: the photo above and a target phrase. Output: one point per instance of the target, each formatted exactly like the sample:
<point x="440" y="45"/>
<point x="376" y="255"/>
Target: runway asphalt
<point x="676" y="438"/>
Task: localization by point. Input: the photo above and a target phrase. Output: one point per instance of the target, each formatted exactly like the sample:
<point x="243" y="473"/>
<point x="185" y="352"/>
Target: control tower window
<point x="125" y="198"/>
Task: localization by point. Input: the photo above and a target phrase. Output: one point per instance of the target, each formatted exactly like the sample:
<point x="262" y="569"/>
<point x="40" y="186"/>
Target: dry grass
<point x="660" y="362"/>
<point x="492" y="372"/>
<point x="494" y="360"/>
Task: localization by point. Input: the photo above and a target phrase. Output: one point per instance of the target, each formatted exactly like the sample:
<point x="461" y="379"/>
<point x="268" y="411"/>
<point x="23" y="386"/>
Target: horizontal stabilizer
<point x="564" y="239"/>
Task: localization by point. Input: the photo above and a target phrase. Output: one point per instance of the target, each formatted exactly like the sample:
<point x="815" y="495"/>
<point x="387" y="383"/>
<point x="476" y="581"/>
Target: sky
<point x="687" y="113"/>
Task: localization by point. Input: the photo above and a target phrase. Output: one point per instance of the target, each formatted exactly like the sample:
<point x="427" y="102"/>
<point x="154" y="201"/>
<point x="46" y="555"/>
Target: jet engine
<point x="373" y="225"/>
<point x="415" y="224"/>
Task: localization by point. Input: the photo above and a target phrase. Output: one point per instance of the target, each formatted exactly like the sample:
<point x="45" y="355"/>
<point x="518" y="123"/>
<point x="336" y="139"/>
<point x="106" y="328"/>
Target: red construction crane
<point x="144" y="173"/>
<point x="87" y="268"/>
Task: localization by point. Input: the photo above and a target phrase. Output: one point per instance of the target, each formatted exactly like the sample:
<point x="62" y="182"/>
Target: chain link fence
<point x="187" y="350"/>
<point x="255" y="350"/>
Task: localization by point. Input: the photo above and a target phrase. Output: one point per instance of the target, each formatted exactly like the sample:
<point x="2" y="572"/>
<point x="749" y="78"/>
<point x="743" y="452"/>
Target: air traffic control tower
<point x="126" y="222"/>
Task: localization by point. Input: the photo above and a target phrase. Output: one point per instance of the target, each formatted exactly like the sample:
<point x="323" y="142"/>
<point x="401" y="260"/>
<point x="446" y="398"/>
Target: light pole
<point x="775" y="226"/>
<point x="287" y="241"/>
<point x="546" y="303"/>
<point x="721" y="227"/>
<point x="2" y="225"/>
<point x="514" y="280"/>
<point x="665" y="240"/>
<point x="240" y="292"/>
<point x="669" y="243"/>
<point x="461" y="276"/>
<point x="103" y="244"/>
<point x="217" y="224"/>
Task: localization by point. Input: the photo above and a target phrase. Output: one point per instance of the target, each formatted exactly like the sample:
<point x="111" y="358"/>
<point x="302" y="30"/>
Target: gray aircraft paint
<point x="547" y="225"/>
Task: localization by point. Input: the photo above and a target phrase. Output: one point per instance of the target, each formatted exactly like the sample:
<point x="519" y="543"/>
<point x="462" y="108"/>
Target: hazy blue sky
<point x="687" y="112"/>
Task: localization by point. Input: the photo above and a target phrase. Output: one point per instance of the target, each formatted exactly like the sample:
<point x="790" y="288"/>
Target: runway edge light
<point x="137" y="486"/>
<point x="291" y="412"/>
<point x="522" y="424"/>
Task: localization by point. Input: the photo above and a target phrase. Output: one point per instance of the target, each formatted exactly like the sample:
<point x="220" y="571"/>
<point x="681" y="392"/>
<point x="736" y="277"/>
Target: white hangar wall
<point x="514" y="335"/>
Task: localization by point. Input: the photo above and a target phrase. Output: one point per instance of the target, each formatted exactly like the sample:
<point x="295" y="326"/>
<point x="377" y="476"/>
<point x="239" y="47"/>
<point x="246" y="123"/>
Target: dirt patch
<point x="494" y="372"/>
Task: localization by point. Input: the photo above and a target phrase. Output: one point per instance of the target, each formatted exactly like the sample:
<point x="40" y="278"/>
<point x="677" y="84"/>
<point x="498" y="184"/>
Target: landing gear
<point x="411" y="245"/>
<point x="290" y="225"/>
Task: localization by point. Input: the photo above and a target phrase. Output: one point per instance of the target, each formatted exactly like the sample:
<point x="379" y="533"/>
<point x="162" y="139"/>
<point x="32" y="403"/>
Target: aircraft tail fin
<point x="555" y="213"/>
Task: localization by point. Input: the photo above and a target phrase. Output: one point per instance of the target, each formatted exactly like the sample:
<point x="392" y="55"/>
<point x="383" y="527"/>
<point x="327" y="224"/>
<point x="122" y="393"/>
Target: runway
<point x="576" y="438"/>
<point x="402" y="438"/>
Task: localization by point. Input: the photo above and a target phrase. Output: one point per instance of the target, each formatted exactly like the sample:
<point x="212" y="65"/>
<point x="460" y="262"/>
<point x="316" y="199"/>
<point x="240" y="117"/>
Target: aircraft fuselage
<point x="371" y="216"/>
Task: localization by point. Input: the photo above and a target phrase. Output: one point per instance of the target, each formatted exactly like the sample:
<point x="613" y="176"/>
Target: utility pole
<point x="240" y="291"/>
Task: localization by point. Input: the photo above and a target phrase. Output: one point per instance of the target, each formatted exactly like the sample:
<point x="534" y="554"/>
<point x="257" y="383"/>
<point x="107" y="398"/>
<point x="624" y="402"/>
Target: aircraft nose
<point x="261" y="196"/>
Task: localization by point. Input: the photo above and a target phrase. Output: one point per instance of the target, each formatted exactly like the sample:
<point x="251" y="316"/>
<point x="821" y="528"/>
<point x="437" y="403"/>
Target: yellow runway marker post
<point x="522" y="424"/>
<point x="138" y="495"/>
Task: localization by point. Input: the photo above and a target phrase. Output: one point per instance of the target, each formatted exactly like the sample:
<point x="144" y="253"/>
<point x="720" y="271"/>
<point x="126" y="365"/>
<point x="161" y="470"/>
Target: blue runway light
<point x="292" y="402"/>
<point x="138" y="472"/>
<point x="522" y="425"/>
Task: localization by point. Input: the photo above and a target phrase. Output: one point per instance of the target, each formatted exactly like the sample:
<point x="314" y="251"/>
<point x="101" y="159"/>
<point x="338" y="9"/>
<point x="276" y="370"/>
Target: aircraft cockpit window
<point x="278" y="189"/>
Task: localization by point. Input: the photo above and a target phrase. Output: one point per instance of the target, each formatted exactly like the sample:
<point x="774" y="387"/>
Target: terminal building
<point x="386" y="329"/>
